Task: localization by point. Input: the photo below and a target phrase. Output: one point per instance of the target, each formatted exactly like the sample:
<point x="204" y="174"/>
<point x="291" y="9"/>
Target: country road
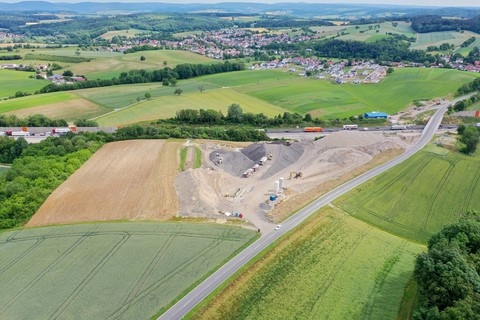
<point x="186" y="304"/>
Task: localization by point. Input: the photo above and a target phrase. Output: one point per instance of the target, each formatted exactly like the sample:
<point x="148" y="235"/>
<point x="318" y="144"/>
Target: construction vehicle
<point x="295" y="175"/>
<point x="269" y="156"/>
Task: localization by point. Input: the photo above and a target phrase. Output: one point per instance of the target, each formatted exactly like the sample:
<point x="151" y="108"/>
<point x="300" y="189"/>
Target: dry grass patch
<point x="69" y="110"/>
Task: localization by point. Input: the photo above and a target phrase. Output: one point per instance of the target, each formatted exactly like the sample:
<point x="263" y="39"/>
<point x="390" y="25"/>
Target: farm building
<point x="375" y="115"/>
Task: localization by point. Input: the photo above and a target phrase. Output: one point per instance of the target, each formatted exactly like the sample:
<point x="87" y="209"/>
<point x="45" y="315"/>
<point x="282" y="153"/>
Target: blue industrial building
<point x="375" y="115"/>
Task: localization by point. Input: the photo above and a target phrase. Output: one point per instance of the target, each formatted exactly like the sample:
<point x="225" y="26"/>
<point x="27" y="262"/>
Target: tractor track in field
<point x="39" y="276"/>
<point x="154" y="286"/>
<point x="58" y="312"/>
<point x="148" y="271"/>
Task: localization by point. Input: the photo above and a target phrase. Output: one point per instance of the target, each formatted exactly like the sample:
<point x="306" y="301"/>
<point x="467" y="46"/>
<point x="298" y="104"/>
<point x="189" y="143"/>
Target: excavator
<point x="295" y="175"/>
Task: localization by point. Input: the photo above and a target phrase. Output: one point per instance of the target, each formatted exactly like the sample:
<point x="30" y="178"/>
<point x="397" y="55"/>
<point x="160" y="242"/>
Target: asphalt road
<point x="186" y="304"/>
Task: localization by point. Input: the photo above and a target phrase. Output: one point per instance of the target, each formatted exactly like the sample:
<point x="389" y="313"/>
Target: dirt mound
<point x="234" y="162"/>
<point x="255" y="151"/>
<point x="282" y="157"/>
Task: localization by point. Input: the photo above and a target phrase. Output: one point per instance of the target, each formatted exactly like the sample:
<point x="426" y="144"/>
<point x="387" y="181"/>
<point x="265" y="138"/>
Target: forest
<point x="432" y="23"/>
<point x="388" y="49"/>
<point x="448" y="273"/>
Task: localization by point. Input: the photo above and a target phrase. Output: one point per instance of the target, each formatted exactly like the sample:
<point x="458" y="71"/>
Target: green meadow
<point x="323" y="98"/>
<point x="36" y="100"/>
<point x="167" y="106"/>
<point x="418" y="197"/>
<point x="108" y="68"/>
<point x="267" y="91"/>
<point x="12" y="81"/>
<point x="108" y="270"/>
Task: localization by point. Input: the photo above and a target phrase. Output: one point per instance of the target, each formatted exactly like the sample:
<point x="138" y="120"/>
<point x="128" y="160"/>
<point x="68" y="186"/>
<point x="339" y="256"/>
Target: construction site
<point x="254" y="180"/>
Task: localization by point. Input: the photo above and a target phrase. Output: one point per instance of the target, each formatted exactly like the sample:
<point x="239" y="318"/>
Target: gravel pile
<point x="283" y="157"/>
<point x="233" y="162"/>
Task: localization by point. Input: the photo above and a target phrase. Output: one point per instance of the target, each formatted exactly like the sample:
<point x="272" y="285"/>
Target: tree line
<point x="448" y="274"/>
<point x="468" y="87"/>
<point x="34" y="120"/>
<point x="166" y="75"/>
<point x="37" y="170"/>
<point x="11" y="57"/>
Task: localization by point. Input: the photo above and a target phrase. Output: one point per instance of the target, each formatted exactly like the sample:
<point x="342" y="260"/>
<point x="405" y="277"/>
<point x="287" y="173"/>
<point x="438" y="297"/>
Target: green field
<point x="35" y="100"/>
<point x="108" y="68"/>
<point x="418" y="197"/>
<point x="12" y="81"/>
<point x="167" y="106"/>
<point x="130" y="33"/>
<point x="437" y="38"/>
<point x="332" y="267"/>
<point x="271" y="92"/>
<point x="322" y="98"/>
<point x="110" y="270"/>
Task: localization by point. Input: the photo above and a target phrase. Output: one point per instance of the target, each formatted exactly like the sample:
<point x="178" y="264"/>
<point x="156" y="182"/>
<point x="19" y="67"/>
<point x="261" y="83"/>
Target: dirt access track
<point x="140" y="179"/>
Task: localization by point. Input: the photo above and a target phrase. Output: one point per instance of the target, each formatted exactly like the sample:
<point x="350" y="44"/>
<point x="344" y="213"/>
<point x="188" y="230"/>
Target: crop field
<point x="123" y="180"/>
<point x="112" y="67"/>
<point x="130" y="33"/>
<point x="167" y="106"/>
<point x="125" y="95"/>
<point x="332" y="267"/>
<point x="272" y="92"/>
<point x="418" y="197"/>
<point x="437" y="38"/>
<point x="110" y="270"/>
<point x="363" y="33"/>
<point x="59" y="105"/>
<point x="12" y="81"/>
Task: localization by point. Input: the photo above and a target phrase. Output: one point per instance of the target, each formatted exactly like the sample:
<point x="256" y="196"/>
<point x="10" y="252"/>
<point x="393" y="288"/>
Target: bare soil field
<point x="124" y="180"/>
<point x="140" y="180"/>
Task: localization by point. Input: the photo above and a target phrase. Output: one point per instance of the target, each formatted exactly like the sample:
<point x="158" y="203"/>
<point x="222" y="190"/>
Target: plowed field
<point x="124" y="180"/>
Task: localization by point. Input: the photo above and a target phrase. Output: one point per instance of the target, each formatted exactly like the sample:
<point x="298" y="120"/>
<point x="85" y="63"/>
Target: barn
<point x="375" y="115"/>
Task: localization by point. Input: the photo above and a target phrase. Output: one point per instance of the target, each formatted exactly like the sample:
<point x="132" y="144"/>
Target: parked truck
<point x="398" y="127"/>
<point x="313" y="129"/>
<point x="60" y="130"/>
<point x="17" y="133"/>
<point x="350" y="126"/>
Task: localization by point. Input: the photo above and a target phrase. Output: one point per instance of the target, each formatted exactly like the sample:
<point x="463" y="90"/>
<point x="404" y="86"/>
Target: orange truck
<point x="313" y="129"/>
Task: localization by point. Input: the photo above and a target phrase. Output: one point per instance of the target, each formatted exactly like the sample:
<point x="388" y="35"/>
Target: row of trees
<point x="165" y="131"/>
<point x="35" y="120"/>
<point x="235" y="115"/>
<point x="468" y="87"/>
<point x="166" y="75"/>
<point x="448" y="274"/>
<point x="464" y="104"/>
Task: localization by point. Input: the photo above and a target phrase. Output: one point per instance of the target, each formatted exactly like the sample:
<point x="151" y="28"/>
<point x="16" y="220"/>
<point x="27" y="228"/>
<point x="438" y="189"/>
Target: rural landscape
<point x="239" y="160"/>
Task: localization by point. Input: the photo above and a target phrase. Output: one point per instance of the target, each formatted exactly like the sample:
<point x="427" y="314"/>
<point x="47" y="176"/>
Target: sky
<point x="436" y="3"/>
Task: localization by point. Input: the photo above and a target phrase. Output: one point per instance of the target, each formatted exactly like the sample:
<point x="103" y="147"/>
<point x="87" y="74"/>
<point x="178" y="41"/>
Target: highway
<point x="186" y="304"/>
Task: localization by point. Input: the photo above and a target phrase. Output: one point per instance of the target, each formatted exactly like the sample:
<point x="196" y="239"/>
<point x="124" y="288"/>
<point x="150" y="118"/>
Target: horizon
<point x="417" y="3"/>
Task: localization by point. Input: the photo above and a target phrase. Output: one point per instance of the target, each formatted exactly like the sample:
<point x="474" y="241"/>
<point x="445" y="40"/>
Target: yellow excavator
<point x="295" y="175"/>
